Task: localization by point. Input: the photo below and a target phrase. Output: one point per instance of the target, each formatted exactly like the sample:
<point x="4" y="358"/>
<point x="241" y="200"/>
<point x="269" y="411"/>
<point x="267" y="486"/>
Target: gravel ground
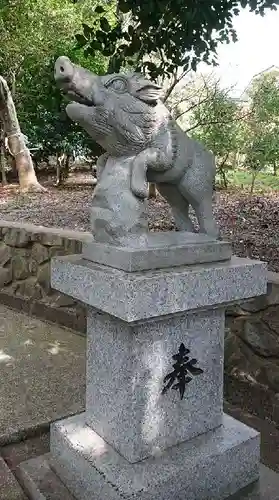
<point x="252" y="224"/>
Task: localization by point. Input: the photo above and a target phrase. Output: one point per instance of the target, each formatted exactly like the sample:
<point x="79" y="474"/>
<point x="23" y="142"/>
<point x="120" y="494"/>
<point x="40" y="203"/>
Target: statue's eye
<point x="118" y="84"/>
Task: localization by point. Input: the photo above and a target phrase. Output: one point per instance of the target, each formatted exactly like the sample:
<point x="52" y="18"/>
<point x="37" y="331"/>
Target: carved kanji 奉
<point x="181" y="367"/>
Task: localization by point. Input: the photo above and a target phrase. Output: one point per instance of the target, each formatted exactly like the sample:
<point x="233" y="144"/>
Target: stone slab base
<point x="158" y="250"/>
<point x="41" y="483"/>
<point x="149" y="294"/>
<point x="211" y="466"/>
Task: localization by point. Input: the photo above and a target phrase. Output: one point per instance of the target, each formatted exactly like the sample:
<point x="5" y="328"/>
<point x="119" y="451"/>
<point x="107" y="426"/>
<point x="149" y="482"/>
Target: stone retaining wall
<point x="252" y="334"/>
<point x="25" y="255"/>
<point x="252" y="344"/>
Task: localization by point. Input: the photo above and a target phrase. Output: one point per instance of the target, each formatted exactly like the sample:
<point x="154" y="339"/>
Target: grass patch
<point x="263" y="180"/>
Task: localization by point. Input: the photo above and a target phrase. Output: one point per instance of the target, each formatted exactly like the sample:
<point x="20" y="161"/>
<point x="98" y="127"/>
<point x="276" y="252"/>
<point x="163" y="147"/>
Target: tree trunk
<point x="62" y="167"/>
<point x="222" y="171"/>
<point x="16" y="144"/>
<point x="13" y="84"/>
<point x="67" y="167"/>
<point x="60" y="157"/>
<point x="274" y="168"/>
<point x="2" y="156"/>
<point x="224" y="178"/>
<point x="254" y="175"/>
<point x="152" y="192"/>
<point x="35" y="163"/>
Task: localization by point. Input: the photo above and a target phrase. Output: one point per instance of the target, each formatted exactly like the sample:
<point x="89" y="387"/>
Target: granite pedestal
<point x="136" y="440"/>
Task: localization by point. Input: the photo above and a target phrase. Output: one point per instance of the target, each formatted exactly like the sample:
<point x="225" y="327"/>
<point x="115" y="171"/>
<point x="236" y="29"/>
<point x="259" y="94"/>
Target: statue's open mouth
<point x="75" y="96"/>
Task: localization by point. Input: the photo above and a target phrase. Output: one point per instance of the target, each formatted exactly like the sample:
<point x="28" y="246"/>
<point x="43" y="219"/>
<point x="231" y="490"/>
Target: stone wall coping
<point x="273" y="277"/>
<point x="32" y="228"/>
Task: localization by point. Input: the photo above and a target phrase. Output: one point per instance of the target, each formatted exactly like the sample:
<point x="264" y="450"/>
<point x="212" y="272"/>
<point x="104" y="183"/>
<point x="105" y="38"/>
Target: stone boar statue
<point x="124" y="114"/>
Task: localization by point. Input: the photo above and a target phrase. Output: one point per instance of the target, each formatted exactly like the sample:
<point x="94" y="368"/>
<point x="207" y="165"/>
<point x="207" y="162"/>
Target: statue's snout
<point x="63" y="70"/>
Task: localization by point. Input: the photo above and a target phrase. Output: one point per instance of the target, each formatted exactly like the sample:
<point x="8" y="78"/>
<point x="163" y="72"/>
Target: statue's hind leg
<point x="197" y="187"/>
<point x="179" y="206"/>
<point x="203" y="210"/>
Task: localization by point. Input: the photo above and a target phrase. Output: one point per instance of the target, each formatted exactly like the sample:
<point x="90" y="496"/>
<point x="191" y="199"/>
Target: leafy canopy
<point x="181" y="33"/>
<point x="262" y="126"/>
<point x="33" y="34"/>
<point x="216" y="122"/>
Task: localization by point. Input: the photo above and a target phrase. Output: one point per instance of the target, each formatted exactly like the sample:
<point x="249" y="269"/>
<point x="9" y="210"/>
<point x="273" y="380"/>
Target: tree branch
<point x="193" y="106"/>
<point x="196" y="97"/>
<point x="216" y="122"/>
<point x="177" y="79"/>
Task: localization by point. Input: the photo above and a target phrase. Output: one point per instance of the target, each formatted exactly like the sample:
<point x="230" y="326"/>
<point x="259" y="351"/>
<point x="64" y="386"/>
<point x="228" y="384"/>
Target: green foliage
<point x="182" y="33"/>
<point x="243" y="178"/>
<point x="234" y="134"/>
<point x="31" y="30"/>
<point x="261" y="146"/>
<point x="41" y="111"/>
<point x="156" y="37"/>
<point x="217" y="123"/>
<point x="33" y="34"/>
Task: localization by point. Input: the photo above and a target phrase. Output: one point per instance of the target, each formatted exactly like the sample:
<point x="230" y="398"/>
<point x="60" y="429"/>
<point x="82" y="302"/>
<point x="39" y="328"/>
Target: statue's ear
<point x="149" y="93"/>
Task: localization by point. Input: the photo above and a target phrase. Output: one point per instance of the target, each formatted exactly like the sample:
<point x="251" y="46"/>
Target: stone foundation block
<point x="212" y="466"/>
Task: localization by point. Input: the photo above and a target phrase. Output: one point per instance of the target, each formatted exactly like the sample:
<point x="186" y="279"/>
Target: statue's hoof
<point x="141" y="193"/>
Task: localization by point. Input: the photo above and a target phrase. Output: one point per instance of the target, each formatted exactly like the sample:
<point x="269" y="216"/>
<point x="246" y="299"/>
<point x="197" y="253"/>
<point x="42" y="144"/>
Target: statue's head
<point x="122" y="112"/>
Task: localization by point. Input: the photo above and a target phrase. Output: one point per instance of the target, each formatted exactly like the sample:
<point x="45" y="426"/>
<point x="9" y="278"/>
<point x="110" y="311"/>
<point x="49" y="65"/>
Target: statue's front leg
<point x="149" y="158"/>
<point x="139" y="184"/>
